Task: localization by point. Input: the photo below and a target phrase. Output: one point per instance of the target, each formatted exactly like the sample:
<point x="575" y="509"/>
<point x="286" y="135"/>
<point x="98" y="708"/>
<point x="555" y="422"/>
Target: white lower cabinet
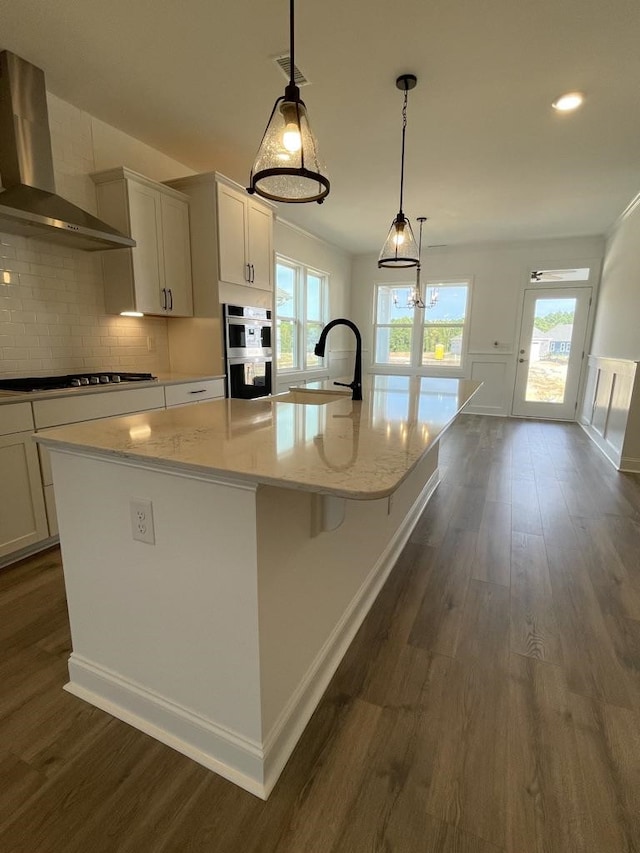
<point x="23" y="520"/>
<point x="193" y="392"/>
<point x="27" y="500"/>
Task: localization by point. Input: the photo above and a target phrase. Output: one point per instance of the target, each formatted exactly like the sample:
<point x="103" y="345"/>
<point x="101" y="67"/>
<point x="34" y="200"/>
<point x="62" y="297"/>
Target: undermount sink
<point x="309" y="396"/>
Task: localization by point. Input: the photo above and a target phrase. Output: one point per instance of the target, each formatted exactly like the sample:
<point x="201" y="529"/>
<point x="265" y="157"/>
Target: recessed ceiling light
<point x="570" y="101"/>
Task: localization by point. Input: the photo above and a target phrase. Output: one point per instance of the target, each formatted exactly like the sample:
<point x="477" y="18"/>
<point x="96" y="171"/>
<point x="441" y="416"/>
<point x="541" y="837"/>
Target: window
<point x="302" y="307"/>
<point x="432" y="337"/>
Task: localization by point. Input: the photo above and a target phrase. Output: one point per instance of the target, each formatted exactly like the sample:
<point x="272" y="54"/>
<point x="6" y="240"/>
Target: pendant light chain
<point x="404" y="133"/>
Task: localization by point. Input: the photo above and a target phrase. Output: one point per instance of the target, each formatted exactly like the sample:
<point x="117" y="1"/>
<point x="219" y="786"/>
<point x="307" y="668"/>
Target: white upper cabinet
<point x="155" y="276"/>
<point x="245" y="236"/>
<point x="259" y="241"/>
<point x="231" y="241"/>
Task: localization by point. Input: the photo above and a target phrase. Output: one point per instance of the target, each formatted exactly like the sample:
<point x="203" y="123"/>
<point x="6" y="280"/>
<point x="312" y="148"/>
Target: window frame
<point x="418" y="326"/>
<point x="301" y="319"/>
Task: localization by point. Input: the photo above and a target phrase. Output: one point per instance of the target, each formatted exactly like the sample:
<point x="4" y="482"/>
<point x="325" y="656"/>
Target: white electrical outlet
<point x="141" y="512"/>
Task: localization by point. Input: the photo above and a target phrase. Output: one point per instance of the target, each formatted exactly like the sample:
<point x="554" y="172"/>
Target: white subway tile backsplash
<point x="52" y="316"/>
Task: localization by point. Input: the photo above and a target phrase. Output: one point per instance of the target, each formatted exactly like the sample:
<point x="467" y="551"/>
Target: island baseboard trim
<point x="225" y="752"/>
<point x="630" y="465"/>
<point x="288" y="728"/>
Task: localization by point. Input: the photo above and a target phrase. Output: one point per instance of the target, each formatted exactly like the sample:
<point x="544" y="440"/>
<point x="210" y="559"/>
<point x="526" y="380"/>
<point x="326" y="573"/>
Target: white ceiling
<point x="487" y="157"/>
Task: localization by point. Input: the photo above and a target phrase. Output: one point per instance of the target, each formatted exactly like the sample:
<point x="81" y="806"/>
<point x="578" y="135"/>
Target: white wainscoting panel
<point x="612" y="392"/>
<point x="493" y="398"/>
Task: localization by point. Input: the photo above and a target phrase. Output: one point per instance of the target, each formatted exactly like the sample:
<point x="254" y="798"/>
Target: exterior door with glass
<point x="550" y="352"/>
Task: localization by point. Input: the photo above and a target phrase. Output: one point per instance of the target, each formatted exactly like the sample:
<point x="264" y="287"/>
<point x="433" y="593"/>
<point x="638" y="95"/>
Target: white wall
<point x="52" y="316"/>
<point x="617" y="328"/>
<point x="298" y="245"/>
<point x="499" y="273"/>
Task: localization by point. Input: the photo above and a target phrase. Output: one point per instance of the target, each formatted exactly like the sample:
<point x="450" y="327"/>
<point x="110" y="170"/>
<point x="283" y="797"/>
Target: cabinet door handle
<point x="170" y="300"/>
<point x="164" y="298"/>
<point x="247" y="276"/>
<point x="253" y="274"/>
<point x="200" y="391"/>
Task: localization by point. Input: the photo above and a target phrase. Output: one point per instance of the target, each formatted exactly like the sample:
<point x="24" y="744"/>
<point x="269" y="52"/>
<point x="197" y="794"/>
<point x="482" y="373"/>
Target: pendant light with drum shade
<point x="400" y="248"/>
<point x="287" y="167"/>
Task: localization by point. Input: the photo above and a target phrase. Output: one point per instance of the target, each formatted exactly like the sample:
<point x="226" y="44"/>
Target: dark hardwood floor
<point x="490" y="702"/>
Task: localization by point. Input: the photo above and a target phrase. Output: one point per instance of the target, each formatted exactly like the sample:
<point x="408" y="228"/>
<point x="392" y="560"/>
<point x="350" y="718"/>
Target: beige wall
<point x="52" y="316"/>
<point x="617" y="328"/>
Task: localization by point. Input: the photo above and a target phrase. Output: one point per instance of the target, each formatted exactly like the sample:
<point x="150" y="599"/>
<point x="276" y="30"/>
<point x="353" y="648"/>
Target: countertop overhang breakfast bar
<point x="271" y="526"/>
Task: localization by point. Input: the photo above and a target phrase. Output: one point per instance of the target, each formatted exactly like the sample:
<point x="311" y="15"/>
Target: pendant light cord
<point x="404" y="131"/>
<point x="292" y="69"/>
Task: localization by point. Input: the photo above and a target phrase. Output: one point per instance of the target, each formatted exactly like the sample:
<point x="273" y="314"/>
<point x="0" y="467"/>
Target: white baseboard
<point x="219" y="749"/>
<point x="603" y="446"/>
<point x="288" y="728"/>
<point x="249" y="764"/>
<point x="492" y="411"/>
<point x="630" y="464"/>
<point x="29" y="551"/>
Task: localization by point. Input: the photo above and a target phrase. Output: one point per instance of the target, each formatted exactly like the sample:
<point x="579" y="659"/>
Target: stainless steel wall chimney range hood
<point x="29" y="204"/>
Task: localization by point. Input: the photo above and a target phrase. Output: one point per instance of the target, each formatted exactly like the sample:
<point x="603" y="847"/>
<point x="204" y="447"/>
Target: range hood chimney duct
<point x="29" y="205"/>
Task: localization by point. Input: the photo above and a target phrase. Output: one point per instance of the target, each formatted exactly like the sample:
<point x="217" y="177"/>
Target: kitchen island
<point x="273" y="525"/>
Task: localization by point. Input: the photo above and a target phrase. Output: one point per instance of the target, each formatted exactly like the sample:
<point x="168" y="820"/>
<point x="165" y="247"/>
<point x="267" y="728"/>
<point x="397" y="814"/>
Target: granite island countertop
<point x="360" y="450"/>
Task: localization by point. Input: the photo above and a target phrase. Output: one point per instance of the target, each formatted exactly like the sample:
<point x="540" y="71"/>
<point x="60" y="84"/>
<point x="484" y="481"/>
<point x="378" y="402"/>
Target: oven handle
<point x="243" y="321"/>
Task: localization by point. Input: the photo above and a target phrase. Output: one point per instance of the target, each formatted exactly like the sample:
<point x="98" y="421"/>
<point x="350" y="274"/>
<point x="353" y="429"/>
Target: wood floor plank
<point x="378" y="661"/>
<point x="589" y="658"/>
<point x="434" y="522"/>
<point x="534" y="623"/>
<point x="437" y="623"/>
<point x="467" y="788"/>
<point x="557" y="526"/>
<point x="411" y="828"/>
<point x="545" y="787"/>
<point x="153" y="790"/>
<point x="625" y="535"/>
<point x="607" y="742"/>
<point x="607" y="571"/>
<point x="396" y="747"/>
<point x="525" y="510"/>
<point x="492" y="561"/>
<point x="332" y="792"/>
<point x="62" y="807"/>
<point x="18" y="781"/>
<point x="467" y="513"/>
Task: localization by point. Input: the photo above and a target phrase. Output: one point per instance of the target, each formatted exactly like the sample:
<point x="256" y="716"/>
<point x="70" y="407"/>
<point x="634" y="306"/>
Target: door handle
<point x="164" y="298"/>
<point x="521" y="360"/>
<point x="253" y="273"/>
<point x="170" y="300"/>
<point x="247" y="276"/>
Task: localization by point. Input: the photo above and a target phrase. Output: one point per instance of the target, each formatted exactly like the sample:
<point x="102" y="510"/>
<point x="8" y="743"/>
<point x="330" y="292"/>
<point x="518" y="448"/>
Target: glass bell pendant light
<point x="287" y="167"/>
<point x="400" y="248"/>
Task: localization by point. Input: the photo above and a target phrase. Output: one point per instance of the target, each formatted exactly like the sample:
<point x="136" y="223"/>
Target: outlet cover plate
<point x="141" y="512"/>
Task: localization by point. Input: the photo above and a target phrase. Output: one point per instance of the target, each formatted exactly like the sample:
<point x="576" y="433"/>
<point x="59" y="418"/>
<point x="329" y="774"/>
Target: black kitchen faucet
<point x="356" y="385"/>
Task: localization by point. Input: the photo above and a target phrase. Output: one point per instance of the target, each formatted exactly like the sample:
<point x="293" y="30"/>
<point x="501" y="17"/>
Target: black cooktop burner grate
<point x="71" y="380"/>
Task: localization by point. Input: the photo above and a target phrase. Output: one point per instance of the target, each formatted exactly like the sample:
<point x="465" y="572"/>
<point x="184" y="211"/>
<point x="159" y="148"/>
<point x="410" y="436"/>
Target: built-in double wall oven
<point x="247" y="337"/>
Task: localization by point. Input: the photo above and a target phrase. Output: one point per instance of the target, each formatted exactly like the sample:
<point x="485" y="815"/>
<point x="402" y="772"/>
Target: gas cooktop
<point x="71" y="380"/>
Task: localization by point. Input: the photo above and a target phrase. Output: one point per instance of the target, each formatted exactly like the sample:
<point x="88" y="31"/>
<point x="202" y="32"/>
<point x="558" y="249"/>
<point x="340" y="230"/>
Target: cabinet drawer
<point x="15" y="417"/>
<point x="193" y="392"/>
<point x="71" y="410"/>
